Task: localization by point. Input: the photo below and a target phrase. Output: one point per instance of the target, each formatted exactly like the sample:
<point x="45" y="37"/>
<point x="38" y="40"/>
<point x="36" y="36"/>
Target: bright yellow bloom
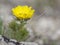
<point x="23" y="12"/>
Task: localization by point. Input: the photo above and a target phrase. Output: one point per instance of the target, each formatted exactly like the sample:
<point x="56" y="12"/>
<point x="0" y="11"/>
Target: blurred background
<point x="44" y="27"/>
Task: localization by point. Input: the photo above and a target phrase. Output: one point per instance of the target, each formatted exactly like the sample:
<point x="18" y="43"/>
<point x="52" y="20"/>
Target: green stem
<point x="22" y="24"/>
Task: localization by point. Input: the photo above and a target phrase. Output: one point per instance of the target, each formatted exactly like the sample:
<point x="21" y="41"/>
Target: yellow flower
<point x="23" y="12"/>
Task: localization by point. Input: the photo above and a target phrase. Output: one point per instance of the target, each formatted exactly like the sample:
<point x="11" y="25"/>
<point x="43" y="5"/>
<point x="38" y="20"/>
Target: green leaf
<point x="14" y="26"/>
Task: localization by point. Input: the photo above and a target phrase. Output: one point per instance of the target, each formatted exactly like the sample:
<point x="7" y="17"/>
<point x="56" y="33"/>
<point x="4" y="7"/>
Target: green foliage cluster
<point x="18" y="31"/>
